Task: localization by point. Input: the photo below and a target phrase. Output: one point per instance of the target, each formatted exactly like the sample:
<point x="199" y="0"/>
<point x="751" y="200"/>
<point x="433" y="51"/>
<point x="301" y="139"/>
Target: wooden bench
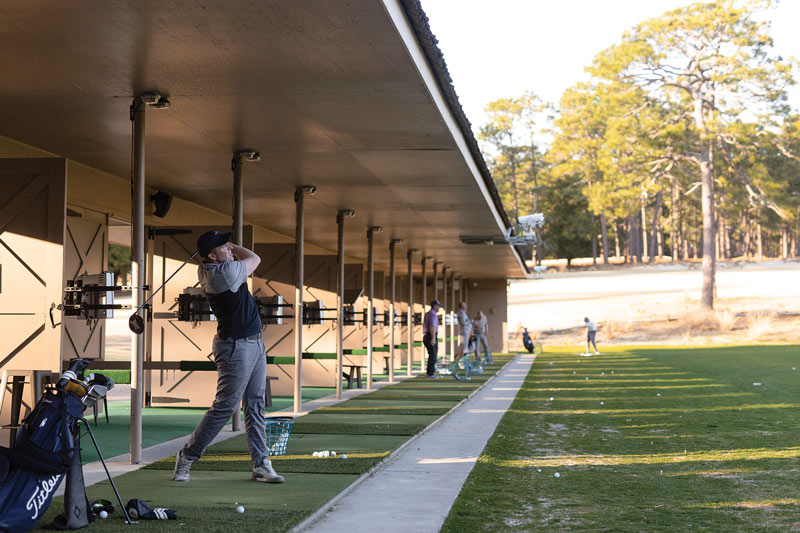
<point x="353" y="375"/>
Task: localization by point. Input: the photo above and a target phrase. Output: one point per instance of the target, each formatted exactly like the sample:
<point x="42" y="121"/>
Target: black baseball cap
<point x="436" y="302"/>
<point x="210" y="240"/>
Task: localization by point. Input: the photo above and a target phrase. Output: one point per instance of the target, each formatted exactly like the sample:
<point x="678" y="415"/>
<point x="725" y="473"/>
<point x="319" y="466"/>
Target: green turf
<point x="222" y="476"/>
<point x="160" y="424"/>
<point x="683" y="441"/>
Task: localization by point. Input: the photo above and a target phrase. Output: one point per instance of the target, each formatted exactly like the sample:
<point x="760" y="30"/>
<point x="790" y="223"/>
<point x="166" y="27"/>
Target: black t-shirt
<point x="225" y="285"/>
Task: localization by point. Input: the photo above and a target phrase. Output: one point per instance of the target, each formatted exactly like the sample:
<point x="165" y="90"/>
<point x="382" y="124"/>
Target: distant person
<point x="466" y="331"/>
<point x="526" y="340"/>
<point x="239" y="354"/>
<point x="430" y="332"/>
<point x="480" y="328"/>
<point x="591" y="333"/>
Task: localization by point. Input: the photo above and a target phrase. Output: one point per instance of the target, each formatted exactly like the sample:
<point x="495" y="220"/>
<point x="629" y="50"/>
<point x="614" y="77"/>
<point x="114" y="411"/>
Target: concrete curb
<point x="319" y="513"/>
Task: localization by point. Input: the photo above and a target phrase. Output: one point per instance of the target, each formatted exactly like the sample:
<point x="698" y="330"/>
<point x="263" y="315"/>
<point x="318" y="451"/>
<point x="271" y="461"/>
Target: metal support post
<point x="424" y="301"/>
<point x="436" y="279"/>
<point x="453" y="307"/>
<point x="410" y="312"/>
<point x="445" y="344"/>
<point x="340" y="298"/>
<point x="299" y="259"/>
<point x="238" y="223"/>
<point x="138" y="115"/>
<point x="370" y="297"/>
<point x="392" y="305"/>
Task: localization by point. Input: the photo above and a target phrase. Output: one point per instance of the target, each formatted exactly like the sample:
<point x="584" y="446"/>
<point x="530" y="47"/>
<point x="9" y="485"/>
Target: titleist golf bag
<point x="46" y="447"/>
<point x="32" y="470"/>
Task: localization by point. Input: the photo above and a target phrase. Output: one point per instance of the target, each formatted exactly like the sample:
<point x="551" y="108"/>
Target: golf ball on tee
<point x="103" y="514"/>
<point x="556" y="475"/>
<point x="240" y="509"/>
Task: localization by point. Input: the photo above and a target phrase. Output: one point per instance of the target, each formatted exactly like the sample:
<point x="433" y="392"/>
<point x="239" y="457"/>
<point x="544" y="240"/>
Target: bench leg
<point x="358" y="376"/>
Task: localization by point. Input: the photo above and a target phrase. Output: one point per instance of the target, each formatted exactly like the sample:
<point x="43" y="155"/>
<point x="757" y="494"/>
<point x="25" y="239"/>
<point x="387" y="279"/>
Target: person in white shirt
<point x="591" y="333"/>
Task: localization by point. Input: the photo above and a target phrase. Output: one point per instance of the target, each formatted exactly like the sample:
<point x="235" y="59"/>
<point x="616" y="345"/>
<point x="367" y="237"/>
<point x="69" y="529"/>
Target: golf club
<point x="136" y="322"/>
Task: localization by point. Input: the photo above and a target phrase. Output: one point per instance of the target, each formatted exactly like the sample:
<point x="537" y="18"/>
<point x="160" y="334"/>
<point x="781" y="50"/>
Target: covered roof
<point x="352" y="97"/>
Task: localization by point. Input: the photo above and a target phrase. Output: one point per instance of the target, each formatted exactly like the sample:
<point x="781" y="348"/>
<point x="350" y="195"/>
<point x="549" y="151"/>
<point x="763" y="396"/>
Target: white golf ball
<point x="612" y="371"/>
<point x="551" y="398"/>
<point x="574" y="371"/>
<point x="103" y="514"/>
<point x="344" y="456"/>
<point x="333" y="453"/>
<point x="658" y="394"/>
<point x="315" y="454"/>
<point x="556" y="475"/>
<point x="602" y="403"/>
<point x="240" y="509"/>
<point x="587" y="379"/>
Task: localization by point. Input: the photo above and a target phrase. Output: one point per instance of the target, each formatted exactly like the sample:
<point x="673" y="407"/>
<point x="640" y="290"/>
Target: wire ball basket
<point x="278" y="431"/>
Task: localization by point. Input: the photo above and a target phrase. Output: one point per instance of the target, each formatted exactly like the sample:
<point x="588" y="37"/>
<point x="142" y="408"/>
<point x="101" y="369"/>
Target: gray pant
<point x="482" y="342"/>
<point x="242" y="369"/>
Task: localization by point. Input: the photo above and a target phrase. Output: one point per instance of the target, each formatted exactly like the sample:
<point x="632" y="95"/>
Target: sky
<point x="501" y="48"/>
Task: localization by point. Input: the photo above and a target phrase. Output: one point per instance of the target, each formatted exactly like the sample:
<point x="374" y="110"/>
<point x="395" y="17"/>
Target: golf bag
<point x="526" y="340"/>
<point x="34" y="467"/>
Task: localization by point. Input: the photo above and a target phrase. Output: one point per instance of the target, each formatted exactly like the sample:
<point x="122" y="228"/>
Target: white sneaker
<point x="266" y="473"/>
<point x="182" y="466"/>
<point x="596" y="352"/>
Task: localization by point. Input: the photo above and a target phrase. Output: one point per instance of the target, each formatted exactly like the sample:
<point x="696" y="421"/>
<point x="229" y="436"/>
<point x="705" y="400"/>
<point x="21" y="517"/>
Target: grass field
<point x="644" y="439"/>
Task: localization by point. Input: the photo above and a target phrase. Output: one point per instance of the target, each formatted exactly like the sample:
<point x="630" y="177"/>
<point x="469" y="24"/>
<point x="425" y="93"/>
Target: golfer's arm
<point x="248" y="257"/>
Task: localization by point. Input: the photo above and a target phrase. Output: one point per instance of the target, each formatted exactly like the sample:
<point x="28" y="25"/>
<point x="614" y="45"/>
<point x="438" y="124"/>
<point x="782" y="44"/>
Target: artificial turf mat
<point x="367" y="428"/>
<point x="160" y="424"/>
<point x="355" y="463"/>
<point x="301" y="443"/>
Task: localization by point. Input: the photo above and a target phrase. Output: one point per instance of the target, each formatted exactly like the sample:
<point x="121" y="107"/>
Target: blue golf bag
<point x="32" y="470"/>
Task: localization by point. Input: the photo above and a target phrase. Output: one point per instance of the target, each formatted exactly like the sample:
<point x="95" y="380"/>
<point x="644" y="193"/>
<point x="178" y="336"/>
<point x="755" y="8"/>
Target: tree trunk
<point x="797" y="237"/>
<point x="673" y="233"/>
<point x="759" y="242"/>
<point x="707" y="192"/>
<point x="514" y="185"/>
<point x="629" y="243"/>
<point x="616" y="239"/>
<point x="748" y="233"/>
<point x="637" y="221"/>
<point x="604" y="230"/>
<point x="654" y="227"/>
<point x="643" y="219"/>
<point x="594" y="242"/>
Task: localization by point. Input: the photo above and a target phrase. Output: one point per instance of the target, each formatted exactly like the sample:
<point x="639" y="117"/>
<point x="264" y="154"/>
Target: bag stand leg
<point x="113" y="485"/>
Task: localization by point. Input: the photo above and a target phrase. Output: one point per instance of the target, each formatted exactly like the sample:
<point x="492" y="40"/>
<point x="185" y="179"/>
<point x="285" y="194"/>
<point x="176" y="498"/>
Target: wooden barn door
<point x="85" y="252"/>
<point x="32" y="210"/>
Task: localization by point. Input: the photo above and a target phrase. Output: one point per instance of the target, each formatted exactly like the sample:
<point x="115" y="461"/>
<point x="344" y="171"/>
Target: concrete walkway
<point x="415" y="491"/>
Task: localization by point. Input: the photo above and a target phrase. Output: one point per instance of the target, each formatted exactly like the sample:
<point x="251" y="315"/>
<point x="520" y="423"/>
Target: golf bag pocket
<point x="24" y="497"/>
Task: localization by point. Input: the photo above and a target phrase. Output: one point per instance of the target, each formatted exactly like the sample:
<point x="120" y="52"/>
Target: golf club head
<point x="136" y="324"/>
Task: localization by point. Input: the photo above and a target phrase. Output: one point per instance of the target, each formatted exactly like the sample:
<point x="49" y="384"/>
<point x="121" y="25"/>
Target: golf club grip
<point x="167" y="281"/>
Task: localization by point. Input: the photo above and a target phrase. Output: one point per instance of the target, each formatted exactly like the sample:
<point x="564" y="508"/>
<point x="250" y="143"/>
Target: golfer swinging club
<point x="239" y="354"/>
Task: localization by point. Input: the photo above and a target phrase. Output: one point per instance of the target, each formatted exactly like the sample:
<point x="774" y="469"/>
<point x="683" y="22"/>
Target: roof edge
<point x="420" y="24"/>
